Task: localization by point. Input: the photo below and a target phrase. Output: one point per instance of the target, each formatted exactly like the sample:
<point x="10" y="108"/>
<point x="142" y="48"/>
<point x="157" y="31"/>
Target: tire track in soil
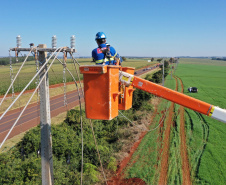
<point x="118" y="179"/>
<point x="186" y="177"/>
<point x="166" y="144"/>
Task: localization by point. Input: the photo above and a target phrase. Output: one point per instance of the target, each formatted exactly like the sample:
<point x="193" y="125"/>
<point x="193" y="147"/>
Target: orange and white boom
<point x="174" y="96"/>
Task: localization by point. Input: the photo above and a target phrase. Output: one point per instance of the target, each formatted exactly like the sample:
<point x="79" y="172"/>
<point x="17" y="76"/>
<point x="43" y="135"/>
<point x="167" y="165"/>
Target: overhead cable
<point x="74" y="60"/>
<point x="91" y="124"/>
<point x="15" y="77"/>
<point x="30" y="82"/>
<point x="29" y="100"/>
<point x="80" y="106"/>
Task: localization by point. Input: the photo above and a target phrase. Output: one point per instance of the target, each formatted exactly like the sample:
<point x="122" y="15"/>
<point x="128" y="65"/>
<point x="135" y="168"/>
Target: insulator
<point x="18" y="41"/>
<point x="73" y="42"/>
<point x="54" y="41"/>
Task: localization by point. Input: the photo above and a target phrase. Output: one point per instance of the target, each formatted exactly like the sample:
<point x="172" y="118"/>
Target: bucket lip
<point x="108" y="66"/>
<point x="92" y="65"/>
<point x="113" y="66"/>
<point x="93" y="69"/>
<point x="128" y="67"/>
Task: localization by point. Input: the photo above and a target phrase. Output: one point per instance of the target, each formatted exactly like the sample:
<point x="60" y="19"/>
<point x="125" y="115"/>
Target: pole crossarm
<point x="67" y="49"/>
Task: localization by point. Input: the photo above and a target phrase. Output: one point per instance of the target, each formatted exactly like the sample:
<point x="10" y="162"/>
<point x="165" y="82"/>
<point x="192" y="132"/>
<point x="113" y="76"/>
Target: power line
<point x="74" y="60"/>
<point x="29" y="83"/>
<point x="28" y="101"/>
<point x="80" y="107"/>
<point x="91" y="124"/>
<point x="12" y="82"/>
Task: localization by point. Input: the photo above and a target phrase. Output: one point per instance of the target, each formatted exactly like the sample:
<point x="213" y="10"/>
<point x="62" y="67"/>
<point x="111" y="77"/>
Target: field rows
<point x="55" y="73"/>
<point x="204" y="138"/>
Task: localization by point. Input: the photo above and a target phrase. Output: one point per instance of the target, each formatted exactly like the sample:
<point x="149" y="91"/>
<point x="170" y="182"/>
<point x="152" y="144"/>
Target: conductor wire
<point x="91" y="124"/>
<point x="74" y="60"/>
<point x="11" y="73"/>
<point x="29" y="99"/>
<point x="11" y="85"/>
<point x="29" y="84"/>
<point x="80" y="106"/>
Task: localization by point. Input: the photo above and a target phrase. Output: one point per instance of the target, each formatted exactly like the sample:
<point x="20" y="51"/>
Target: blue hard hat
<point x="100" y="35"/>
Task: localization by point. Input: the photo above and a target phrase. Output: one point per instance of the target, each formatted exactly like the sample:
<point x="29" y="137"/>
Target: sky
<point x="142" y="28"/>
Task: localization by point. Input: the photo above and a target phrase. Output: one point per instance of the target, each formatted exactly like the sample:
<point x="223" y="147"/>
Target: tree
<point x="152" y="59"/>
<point x="171" y="60"/>
<point x="159" y="59"/>
<point x="123" y="58"/>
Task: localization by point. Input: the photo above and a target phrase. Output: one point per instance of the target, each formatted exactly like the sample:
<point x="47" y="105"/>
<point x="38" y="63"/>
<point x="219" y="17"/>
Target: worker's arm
<point x="117" y="58"/>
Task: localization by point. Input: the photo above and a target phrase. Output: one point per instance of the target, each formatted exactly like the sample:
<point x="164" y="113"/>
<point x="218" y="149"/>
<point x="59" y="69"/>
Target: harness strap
<point x="107" y="56"/>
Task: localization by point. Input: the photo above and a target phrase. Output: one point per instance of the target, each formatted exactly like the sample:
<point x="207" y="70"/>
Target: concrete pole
<point x="163" y="73"/>
<point x="45" y="121"/>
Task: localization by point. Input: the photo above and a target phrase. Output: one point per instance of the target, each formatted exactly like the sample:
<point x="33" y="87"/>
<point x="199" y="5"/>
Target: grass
<point x="29" y="70"/>
<point x="146" y="159"/>
<point x="55" y="73"/>
<point x="206" y="138"/>
<point x="55" y="77"/>
<point x="137" y="63"/>
<point x="174" y="161"/>
<point x="152" y="72"/>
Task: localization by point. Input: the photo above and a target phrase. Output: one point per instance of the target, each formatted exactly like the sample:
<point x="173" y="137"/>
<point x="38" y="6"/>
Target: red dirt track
<point x="166" y="145"/>
<point x="184" y="155"/>
<point x="118" y="178"/>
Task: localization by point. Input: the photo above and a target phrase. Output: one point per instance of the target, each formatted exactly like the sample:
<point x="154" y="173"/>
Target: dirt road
<point x="166" y="145"/>
<point x="184" y="154"/>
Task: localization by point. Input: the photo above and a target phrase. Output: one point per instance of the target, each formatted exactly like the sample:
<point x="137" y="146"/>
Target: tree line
<point x="6" y="60"/>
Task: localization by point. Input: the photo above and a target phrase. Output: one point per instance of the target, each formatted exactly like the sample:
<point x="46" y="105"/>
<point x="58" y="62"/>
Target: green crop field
<point x="205" y="137"/>
<point x="55" y="73"/>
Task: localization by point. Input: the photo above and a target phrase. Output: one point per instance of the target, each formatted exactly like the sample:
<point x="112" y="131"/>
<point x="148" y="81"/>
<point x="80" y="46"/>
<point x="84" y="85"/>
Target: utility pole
<point x="163" y="73"/>
<point x="45" y="121"/>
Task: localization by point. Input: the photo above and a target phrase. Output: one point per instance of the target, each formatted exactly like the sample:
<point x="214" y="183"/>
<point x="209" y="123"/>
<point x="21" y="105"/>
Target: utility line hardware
<point x="40" y="53"/>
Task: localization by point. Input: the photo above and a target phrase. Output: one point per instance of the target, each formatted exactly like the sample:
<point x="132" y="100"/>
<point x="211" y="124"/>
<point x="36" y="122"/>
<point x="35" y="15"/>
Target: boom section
<point x="174" y="96"/>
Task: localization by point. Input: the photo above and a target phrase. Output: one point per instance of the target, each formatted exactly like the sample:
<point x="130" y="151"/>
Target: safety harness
<point x="107" y="56"/>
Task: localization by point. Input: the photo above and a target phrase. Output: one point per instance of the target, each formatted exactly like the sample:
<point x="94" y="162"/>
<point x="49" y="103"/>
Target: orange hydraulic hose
<point x="171" y="95"/>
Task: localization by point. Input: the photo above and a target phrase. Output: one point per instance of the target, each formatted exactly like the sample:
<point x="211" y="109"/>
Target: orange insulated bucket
<point x="101" y="84"/>
<point x="126" y="96"/>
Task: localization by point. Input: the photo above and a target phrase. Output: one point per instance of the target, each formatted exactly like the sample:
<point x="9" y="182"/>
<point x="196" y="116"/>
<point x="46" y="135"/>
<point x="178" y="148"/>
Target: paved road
<point x="31" y="117"/>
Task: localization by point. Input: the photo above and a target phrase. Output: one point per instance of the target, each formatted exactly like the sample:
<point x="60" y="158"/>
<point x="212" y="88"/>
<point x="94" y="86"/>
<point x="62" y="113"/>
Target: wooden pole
<point x="45" y="121"/>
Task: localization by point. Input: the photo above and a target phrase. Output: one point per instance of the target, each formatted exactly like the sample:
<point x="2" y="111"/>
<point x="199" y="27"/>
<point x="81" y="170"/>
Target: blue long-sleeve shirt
<point x="98" y="55"/>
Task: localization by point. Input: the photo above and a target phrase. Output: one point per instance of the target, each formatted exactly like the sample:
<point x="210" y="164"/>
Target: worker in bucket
<point x="105" y="54"/>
